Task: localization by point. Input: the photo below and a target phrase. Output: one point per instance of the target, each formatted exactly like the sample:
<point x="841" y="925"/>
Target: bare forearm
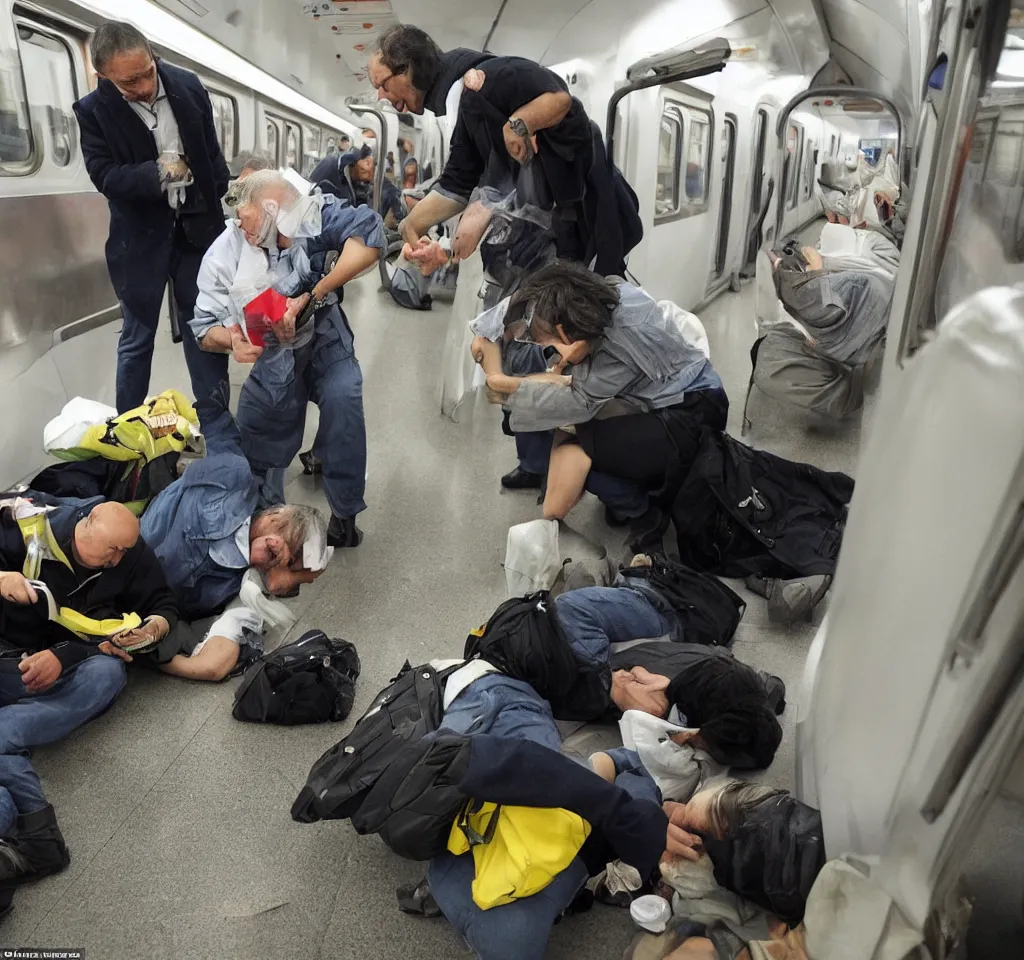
<point x="216" y="340"/>
<point x="546" y="111"/>
<point x="490" y="357"/>
<point x="355" y="257"/>
<point x="429" y="212"/>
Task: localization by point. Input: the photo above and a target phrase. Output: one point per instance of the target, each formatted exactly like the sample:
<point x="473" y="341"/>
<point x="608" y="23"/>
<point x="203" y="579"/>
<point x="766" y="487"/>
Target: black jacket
<point x="135" y="585"/>
<point x="597" y="212"/>
<point x="120" y="155"/>
<point x="742" y="511"/>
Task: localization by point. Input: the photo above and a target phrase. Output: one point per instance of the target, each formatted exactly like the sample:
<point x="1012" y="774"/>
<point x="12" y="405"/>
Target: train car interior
<point x="831" y="195"/>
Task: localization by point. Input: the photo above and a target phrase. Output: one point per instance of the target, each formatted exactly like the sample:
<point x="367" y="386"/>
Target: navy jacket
<point x="135" y="585"/>
<point x="120" y="155"/>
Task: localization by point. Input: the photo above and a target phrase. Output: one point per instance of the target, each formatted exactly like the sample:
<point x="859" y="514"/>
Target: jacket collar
<point x="454" y="64"/>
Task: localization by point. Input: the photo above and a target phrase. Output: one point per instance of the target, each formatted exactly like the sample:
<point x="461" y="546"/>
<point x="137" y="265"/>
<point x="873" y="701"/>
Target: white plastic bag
<point x="532" y="557"/>
<point x="689" y="326"/>
<point x="677" y="770"/>
<point x="65" y="431"/>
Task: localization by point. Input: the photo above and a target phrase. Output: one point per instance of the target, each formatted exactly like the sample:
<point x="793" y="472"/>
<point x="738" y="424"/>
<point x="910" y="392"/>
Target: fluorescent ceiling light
<point x="166" y="29"/>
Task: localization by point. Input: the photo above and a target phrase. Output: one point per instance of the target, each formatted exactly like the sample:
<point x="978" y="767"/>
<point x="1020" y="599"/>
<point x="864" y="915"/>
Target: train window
<point x="666" y="197"/>
<point x="811" y="170"/>
<point x="292" y="146"/>
<point x="311" y="149"/>
<point x="49" y="69"/>
<point x="16" y="147"/>
<point x="698" y="146"/>
<point x="274" y="141"/>
<point x="225" y="112"/>
<point x="833" y="147"/>
<point x="331" y="147"/>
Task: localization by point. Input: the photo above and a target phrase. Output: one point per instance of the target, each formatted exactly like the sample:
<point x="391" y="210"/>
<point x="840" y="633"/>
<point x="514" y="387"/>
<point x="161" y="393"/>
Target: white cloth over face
<point x="679" y="771"/>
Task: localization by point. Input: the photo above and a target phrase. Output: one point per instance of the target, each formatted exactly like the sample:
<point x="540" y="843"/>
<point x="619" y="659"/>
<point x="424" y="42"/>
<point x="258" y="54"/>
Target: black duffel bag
<point x="309" y="681"/>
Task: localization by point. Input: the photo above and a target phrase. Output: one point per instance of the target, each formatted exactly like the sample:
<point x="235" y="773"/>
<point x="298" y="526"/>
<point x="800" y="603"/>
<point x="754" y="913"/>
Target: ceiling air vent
<point x="179" y="7"/>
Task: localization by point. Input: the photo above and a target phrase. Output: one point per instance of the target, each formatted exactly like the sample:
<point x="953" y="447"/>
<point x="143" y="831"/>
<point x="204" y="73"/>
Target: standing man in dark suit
<point x="151" y="149"/>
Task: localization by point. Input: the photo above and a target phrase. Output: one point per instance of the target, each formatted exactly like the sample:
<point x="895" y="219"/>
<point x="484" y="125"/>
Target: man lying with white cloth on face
<point x="221" y="554"/>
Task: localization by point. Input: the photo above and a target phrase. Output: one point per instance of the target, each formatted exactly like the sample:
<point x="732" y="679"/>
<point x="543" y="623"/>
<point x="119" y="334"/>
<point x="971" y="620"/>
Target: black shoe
<point x="612" y="519"/>
<point x="520" y="479"/>
<point x="35" y="848"/>
<point x="646" y="533"/>
<point x="311" y="465"/>
<point x="343" y="532"/>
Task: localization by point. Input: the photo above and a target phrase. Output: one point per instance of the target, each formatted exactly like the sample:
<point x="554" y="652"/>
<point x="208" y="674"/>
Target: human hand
<point x="474" y="80"/>
<point x="571" y="353"/>
<point x="679" y="842"/>
<point x="242" y="350"/>
<point x="173" y="169"/>
<point x="40" y="671"/>
<point x="284" y="329"/>
<point x="111" y="651"/>
<point x="15" y="588"/>
<point x="141" y="638"/>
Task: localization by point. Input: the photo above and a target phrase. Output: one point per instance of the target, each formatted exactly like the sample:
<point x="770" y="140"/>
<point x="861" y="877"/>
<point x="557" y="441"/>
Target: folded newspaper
<point x="124" y="627"/>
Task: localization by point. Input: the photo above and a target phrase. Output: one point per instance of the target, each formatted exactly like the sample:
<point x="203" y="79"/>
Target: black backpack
<point x="309" y="681"/>
<point x="402" y="713"/>
<point x="707" y="609"/>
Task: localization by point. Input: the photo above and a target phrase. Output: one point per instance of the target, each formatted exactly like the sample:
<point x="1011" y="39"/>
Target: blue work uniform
<point x="192" y="524"/>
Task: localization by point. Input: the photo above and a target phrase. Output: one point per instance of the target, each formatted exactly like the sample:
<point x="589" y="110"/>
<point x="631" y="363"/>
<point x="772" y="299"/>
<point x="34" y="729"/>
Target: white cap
<point x="315" y="552"/>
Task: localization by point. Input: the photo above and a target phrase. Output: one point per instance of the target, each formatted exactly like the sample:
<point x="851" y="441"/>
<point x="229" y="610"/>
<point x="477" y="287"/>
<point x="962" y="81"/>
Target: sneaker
<point x="342" y="532"/>
<point x="520" y="479"/>
<point x="35" y="848"/>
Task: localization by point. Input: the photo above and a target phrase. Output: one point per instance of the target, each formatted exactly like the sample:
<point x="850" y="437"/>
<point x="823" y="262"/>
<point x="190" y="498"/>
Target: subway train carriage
<point x="697" y="634"/>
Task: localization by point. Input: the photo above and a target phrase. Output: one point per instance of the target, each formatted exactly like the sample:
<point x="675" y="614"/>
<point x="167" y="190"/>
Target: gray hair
<point x="252" y="189"/>
<point x="251" y="160"/>
<point x="114" y="37"/>
<point x="298" y="522"/>
<point x="730" y="804"/>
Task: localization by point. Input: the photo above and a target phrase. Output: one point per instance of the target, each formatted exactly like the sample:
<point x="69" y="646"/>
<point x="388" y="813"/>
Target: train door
<point x="727" y="164"/>
<point x="792" y="163"/>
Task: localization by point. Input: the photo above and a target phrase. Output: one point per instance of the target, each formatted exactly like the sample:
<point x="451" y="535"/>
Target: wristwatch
<point x="519" y="127"/>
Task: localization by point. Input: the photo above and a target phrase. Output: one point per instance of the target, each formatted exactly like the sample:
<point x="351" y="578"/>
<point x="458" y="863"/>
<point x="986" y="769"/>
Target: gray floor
<point x="178" y="816"/>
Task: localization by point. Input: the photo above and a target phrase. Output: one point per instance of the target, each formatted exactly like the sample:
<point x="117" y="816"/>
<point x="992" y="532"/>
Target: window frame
<point x="315" y="136"/>
<point x="215" y="91"/>
<point x="684" y="114"/>
<point x="272" y="120"/>
<point x="810" y="169"/>
<point x="34" y="160"/>
<point x="671" y="113"/>
<point x="793" y="189"/>
<point x="293" y="126"/>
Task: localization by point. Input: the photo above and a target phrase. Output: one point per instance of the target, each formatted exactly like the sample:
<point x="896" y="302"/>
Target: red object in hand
<point x="269" y="307"/>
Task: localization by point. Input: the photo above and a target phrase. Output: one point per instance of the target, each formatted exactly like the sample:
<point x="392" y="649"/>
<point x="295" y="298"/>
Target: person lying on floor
<point x="56" y="673"/>
<point x="619" y="664"/>
<point x="628" y="385"/>
<point x="208" y="532"/>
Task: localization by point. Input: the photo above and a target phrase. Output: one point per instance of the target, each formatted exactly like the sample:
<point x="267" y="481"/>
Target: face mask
<point x="305" y="219"/>
<point x="267" y="236"/>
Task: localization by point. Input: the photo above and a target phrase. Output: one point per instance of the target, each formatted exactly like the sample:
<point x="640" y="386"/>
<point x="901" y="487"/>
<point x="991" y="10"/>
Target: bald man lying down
<point x="92" y="560"/>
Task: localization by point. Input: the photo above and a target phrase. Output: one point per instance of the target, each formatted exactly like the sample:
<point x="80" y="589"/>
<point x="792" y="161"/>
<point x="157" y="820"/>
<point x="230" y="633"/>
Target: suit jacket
<point x="121" y="157"/>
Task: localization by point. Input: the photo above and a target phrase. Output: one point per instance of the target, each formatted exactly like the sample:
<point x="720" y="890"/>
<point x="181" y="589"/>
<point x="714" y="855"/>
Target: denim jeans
<point x="29" y="720"/>
<point x="519" y="930"/>
<point x="138" y="334"/>
<point x="272" y="414"/>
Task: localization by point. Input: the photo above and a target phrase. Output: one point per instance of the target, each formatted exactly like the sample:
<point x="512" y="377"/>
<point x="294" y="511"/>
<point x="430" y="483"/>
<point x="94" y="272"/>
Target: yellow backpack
<point x="517" y="851"/>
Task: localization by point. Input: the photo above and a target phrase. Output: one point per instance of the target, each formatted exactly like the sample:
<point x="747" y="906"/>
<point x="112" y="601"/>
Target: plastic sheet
<point x="532" y="557"/>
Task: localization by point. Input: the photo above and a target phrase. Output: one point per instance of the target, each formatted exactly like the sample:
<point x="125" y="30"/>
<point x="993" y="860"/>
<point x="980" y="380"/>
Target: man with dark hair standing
<point x="151" y="149"/>
<point x="514" y="115"/>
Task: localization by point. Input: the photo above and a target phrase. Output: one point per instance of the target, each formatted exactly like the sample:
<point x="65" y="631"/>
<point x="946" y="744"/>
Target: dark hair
<point x="114" y="37"/>
<point x="729" y="805"/>
<point x="409" y="50"/>
<point x="727" y="700"/>
<point x="569" y="294"/>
